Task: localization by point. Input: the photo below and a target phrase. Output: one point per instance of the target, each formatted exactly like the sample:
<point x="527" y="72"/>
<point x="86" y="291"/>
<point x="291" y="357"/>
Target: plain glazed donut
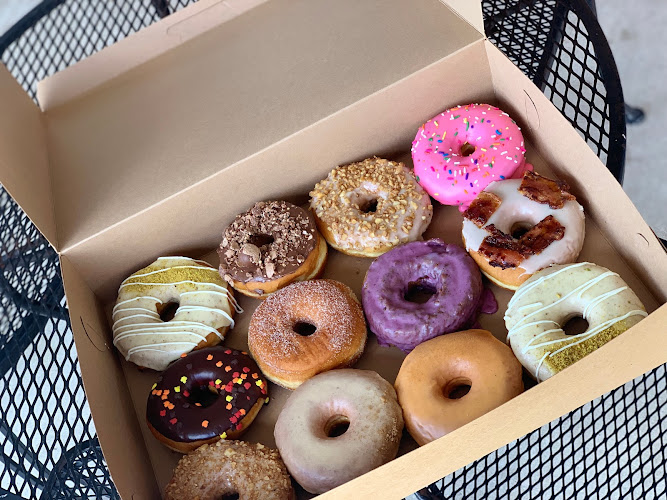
<point x="270" y="246"/>
<point x="228" y="468"/>
<point x="307" y="328"/>
<point x="205" y="311"/>
<point x="552" y="219"/>
<point x="434" y="376"/>
<point x="444" y="271"/>
<point x="367" y="208"/>
<point x="319" y="450"/>
<point x="460" y="151"/>
<point x="542" y="305"/>
<point x="205" y="396"/>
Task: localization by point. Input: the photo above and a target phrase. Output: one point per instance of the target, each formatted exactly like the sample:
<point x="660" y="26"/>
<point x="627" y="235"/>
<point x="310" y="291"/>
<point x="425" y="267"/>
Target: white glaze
<point x="552" y="296"/>
<point x="517" y="208"/>
<point x="204" y="308"/>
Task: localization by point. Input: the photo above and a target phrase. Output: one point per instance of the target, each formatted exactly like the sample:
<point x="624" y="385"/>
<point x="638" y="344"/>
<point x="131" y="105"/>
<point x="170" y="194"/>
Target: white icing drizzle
<point x="605" y="319"/>
<point x="515" y="207"/>
<point x="204" y="308"/>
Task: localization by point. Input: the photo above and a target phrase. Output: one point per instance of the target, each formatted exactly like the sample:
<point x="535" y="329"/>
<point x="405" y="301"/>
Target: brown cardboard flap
<point x="641" y="349"/>
<point x="560" y="145"/>
<point x="138" y="48"/>
<point x="106" y="390"/>
<point x="233" y="91"/>
<point x="24" y="164"/>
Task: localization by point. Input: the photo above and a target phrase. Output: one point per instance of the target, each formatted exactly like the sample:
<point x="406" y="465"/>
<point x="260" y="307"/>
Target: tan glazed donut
<point x="227" y="468"/>
<point x="433" y="377"/>
<point x="319" y="451"/>
<point x="205" y="311"/>
<point x="307" y="328"/>
<point x="542" y="305"/>
<point x="367" y="208"/>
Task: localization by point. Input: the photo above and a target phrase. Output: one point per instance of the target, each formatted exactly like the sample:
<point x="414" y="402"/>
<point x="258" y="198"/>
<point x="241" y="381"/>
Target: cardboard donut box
<point x="151" y="147"/>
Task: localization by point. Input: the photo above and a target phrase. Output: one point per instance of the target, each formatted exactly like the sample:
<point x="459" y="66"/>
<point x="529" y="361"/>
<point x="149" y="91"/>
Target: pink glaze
<point x="454" y="179"/>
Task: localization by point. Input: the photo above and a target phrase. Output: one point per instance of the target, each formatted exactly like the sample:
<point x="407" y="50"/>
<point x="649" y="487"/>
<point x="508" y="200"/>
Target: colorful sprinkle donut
<point x="460" y="151"/>
<point x="205" y="396"/>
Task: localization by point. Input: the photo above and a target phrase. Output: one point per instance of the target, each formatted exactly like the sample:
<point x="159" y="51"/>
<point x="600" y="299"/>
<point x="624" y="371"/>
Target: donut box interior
<point x="153" y="145"/>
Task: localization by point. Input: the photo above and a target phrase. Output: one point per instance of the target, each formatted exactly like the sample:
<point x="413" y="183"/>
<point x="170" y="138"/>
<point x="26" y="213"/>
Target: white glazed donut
<point x="544" y="303"/>
<point x="205" y="311"/>
<point x="367" y="208"/>
<point x="556" y="235"/>
<point x="320" y="459"/>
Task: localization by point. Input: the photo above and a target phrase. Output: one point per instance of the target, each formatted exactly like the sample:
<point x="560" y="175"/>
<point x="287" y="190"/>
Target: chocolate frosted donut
<point x="208" y="395"/>
<point x="421" y="290"/>
<point x="270" y="246"/>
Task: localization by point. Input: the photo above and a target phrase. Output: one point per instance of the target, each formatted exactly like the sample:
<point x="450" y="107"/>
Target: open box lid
<point x="110" y="142"/>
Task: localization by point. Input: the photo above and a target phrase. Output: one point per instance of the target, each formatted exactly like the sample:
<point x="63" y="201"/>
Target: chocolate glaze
<point x="269" y="241"/>
<point x="172" y="404"/>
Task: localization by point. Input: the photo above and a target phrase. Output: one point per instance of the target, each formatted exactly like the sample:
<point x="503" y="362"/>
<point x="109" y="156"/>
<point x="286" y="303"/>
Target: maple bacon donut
<point x="543" y="304"/>
<point x="270" y="246"/>
<point x="202" y="308"/>
<point x="460" y="151"/>
<point x="307" y="328"/>
<point x="207" y="395"/>
<point x="367" y="208"/>
<point x="451" y="380"/>
<point x="549" y="220"/>
<point x="337" y="426"/>
<point x="231" y="469"/>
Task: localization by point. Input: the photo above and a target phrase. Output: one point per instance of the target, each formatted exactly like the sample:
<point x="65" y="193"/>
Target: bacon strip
<point x="544" y="190"/>
<point x="504" y="251"/>
<point x="482" y="208"/>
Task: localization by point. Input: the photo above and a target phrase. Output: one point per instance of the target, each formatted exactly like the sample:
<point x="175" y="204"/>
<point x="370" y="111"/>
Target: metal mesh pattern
<point x="560" y="46"/>
<point x="611" y="448"/>
<point x="46" y="429"/>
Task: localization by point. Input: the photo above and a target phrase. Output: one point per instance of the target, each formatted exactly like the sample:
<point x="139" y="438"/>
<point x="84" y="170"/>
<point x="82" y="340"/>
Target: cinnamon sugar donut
<point x="306" y="328"/>
<point x="432" y="380"/>
<point x="337" y="426"/>
<point x="229" y="468"/>
<point x="367" y="208"/>
<point x="270" y="246"/>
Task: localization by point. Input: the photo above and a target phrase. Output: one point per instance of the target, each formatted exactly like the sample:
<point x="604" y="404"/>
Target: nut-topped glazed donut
<point x="307" y="328"/>
<point x="231" y="469"/>
<point x="543" y="304"/>
<point x="270" y="246"/>
<point x="460" y="151"/>
<point x="549" y="220"/>
<point x="337" y="426"/>
<point x="141" y="329"/>
<point x="207" y="395"/>
<point x="367" y="208"/>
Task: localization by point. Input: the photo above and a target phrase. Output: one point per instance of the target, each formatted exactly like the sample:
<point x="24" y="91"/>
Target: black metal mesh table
<point x="612" y="447"/>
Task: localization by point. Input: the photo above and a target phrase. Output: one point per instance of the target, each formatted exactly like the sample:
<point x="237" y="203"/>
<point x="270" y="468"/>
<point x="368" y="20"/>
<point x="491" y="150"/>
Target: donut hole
<point x="203" y="395"/>
<point x="457" y="388"/>
<point x="467" y="149"/>
<point x="261" y="240"/>
<point x="336" y="426"/>
<point x="518" y="229"/>
<point x="168" y="311"/>
<point x="304" y="328"/>
<point x="367" y="203"/>
<point x="420" y="291"/>
<point x="230" y="496"/>
<point x="575" y="325"/>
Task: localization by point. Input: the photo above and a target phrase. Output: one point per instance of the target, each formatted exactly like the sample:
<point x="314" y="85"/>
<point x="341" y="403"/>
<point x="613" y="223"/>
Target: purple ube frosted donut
<point x="399" y="282"/>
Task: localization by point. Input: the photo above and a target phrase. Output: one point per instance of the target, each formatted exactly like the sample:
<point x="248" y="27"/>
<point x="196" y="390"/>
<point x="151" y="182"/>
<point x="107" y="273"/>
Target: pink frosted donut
<point x="460" y="151"/>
